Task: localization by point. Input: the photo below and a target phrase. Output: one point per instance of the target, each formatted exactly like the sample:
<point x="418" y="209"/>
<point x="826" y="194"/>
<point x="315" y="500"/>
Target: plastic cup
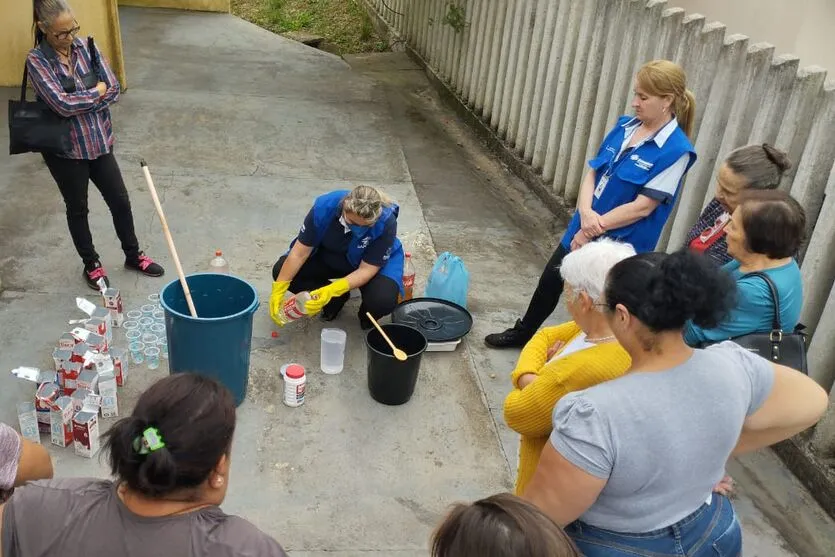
<point x="158" y="329"/>
<point x="163" y="349"/>
<point x="152" y="357"/>
<point x="153" y="298"/>
<point x="150" y="339"/>
<point x="145" y="324"/>
<point x="133" y="315"/>
<point x="333" y="350"/>
<point x="133" y="335"/>
<point x="137" y="352"/>
<point x="130" y="325"/>
<point x="148" y="310"/>
<point x="159" y="316"/>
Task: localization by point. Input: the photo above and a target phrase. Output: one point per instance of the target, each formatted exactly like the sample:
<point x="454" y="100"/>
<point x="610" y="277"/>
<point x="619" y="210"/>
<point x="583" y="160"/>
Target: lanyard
<point x="623" y="155"/>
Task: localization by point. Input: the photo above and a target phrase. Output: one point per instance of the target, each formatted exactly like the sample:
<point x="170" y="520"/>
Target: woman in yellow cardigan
<point x="570" y="357"/>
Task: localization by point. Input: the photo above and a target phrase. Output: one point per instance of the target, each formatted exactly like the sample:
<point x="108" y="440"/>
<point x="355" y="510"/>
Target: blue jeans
<point x="711" y="531"/>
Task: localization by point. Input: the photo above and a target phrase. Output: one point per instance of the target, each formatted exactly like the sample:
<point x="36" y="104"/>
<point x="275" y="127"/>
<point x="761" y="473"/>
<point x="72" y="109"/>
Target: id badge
<point x="598" y="191"/>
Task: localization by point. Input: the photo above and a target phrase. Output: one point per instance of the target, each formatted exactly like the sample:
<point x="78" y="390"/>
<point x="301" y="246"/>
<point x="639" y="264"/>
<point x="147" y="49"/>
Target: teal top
<point x="754" y="309"/>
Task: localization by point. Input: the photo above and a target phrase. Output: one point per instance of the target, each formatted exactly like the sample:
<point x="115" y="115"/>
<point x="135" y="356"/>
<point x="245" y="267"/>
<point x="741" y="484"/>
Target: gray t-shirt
<point x="661" y="439"/>
<point x="86" y="518"/>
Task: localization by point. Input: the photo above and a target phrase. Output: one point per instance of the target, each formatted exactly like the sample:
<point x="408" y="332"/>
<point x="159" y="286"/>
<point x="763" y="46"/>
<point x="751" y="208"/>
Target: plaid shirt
<point x="91" y="131"/>
<point x="718" y="250"/>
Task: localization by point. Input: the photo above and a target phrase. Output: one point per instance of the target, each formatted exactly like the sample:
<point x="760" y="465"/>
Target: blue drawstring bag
<point x="449" y="280"/>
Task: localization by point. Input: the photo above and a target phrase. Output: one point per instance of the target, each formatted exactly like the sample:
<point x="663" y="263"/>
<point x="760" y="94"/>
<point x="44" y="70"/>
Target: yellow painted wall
<point x="99" y="18"/>
<point x="196" y="5"/>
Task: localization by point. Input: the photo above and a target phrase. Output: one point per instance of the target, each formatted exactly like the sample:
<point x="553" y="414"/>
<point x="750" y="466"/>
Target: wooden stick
<point x="168" y="237"/>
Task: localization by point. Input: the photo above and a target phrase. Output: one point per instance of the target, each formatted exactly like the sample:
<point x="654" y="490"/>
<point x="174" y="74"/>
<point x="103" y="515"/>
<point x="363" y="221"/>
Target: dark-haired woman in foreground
<point x="171" y="463"/>
<point x="632" y="462"/>
<point x="502" y="525"/>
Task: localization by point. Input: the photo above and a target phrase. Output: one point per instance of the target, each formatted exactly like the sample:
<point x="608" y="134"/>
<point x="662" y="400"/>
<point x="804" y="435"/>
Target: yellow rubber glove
<point x="323" y="295"/>
<point x="276" y="298"/>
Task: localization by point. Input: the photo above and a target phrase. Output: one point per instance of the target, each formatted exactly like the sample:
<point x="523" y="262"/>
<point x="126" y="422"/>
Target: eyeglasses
<point x="64" y="35"/>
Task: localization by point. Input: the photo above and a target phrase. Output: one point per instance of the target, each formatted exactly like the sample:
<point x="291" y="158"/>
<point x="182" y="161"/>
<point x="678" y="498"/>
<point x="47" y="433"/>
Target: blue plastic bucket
<point x="217" y="343"/>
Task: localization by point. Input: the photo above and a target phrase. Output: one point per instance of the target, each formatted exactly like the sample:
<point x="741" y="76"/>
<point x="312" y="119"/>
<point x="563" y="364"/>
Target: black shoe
<point x="93" y="272"/>
<point x="365" y="322"/>
<point x="515" y="337"/>
<point x="145" y="265"/>
<point x="331" y="311"/>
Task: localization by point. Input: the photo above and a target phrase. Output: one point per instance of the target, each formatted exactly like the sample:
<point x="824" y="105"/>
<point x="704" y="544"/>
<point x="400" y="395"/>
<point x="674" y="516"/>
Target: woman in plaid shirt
<point x="62" y="73"/>
<point x="759" y="167"/>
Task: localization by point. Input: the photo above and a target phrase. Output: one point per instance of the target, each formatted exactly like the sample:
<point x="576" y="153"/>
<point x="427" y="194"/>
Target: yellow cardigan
<point x="528" y="411"/>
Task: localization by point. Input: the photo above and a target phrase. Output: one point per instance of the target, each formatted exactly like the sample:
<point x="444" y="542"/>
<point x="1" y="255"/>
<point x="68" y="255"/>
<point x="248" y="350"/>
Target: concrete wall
<point x="96" y="17"/>
<point x="195" y="5"/>
<point x="551" y="76"/>
<point x="802" y="27"/>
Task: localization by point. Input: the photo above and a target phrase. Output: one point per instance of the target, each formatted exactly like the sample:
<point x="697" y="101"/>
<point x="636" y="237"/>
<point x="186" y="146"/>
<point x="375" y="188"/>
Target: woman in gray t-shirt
<point x="171" y="461"/>
<point x="631" y="463"/>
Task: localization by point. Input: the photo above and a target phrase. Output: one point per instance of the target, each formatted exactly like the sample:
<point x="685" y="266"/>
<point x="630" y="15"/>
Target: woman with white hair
<point x="348" y="240"/>
<point x="569" y="357"/>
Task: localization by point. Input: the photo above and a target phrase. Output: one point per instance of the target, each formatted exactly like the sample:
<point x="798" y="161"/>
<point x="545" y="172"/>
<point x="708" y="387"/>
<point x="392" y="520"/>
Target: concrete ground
<point x="241" y="129"/>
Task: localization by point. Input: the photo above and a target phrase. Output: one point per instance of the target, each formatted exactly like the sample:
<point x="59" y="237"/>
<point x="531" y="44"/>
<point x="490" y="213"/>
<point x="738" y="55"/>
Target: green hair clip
<point x="149" y="441"/>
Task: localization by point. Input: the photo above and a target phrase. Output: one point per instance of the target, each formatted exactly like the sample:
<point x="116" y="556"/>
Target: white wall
<point x="802" y="27"/>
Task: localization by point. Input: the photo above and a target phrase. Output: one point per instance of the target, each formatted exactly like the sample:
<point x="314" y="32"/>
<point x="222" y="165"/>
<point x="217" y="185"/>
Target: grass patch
<point x="344" y="24"/>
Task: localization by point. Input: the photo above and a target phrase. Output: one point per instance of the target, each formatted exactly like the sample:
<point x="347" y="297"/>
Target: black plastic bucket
<point x="391" y="381"/>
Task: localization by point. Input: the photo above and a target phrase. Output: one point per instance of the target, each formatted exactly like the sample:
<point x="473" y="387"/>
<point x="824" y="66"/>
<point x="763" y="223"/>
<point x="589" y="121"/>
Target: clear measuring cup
<point x="333" y="350"/>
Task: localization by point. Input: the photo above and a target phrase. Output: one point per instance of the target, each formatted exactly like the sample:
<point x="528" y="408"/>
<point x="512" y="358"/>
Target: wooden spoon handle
<point x="385" y="336"/>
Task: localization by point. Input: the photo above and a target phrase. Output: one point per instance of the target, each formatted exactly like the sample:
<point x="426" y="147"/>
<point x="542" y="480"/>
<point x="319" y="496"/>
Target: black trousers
<point x="73" y="177"/>
<point x="547" y="294"/>
<point x="379" y="295"/>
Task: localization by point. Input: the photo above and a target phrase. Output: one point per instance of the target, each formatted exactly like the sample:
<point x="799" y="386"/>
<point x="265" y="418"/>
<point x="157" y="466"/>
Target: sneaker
<point x="93" y="272"/>
<point x="515" y="337"/>
<point x="365" y="322"/>
<point x="145" y="265"/>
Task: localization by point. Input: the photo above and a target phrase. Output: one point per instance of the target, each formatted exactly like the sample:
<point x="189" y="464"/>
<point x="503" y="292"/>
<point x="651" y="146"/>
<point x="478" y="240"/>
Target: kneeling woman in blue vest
<point x="348" y="240"/>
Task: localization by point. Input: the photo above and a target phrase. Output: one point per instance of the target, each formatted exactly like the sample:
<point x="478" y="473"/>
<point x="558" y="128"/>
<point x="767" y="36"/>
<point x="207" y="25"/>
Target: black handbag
<point x="788" y="349"/>
<point x="34" y="127"/>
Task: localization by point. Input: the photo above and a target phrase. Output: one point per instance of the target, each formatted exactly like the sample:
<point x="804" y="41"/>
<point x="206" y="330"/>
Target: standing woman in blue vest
<point x="348" y="240"/>
<point x="630" y="188"/>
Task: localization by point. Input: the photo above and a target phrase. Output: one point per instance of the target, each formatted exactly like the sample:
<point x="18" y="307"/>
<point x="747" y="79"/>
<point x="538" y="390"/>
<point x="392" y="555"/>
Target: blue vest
<point x="627" y="177"/>
<point x="326" y="209"/>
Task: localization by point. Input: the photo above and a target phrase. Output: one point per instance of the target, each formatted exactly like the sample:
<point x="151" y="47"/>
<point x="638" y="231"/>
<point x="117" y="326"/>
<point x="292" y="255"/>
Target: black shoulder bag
<point x="34" y="127"/>
<point x="788" y="349"/>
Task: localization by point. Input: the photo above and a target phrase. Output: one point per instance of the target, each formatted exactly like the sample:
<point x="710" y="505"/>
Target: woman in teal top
<point x="765" y="233"/>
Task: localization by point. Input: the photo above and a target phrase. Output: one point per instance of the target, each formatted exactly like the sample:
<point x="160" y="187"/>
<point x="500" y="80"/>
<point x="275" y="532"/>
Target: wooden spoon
<point x="399" y="354"/>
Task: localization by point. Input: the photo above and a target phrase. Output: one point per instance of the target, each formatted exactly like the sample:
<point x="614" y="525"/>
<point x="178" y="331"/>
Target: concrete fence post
<point x="534" y="108"/>
<point x="513" y="71"/>
<point x="647" y="34"/>
<point x="579" y="89"/>
<point x="818" y="269"/>
<point x="579" y="138"/>
<point x="624" y="76"/>
<point x="558" y="50"/>
<point x="488" y="110"/>
<point x="798" y="117"/>
<point x="537" y="61"/>
<point x="611" y="59"/>
<point x="669" y="34"/>
<point x="560" y="96"/>
<point x="813" y="169"/>
<point x="526" y="70"/>
<point x="479" y="21"/>
<point x="777" y="91"/>
<point x="746" y="100"/>
<point x="507" y="38"/>
<point x="491" y="38"/>
<point x="700" y="178"/>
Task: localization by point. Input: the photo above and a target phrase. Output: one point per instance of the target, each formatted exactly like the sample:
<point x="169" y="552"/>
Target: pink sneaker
<point x="145" y="265"/>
